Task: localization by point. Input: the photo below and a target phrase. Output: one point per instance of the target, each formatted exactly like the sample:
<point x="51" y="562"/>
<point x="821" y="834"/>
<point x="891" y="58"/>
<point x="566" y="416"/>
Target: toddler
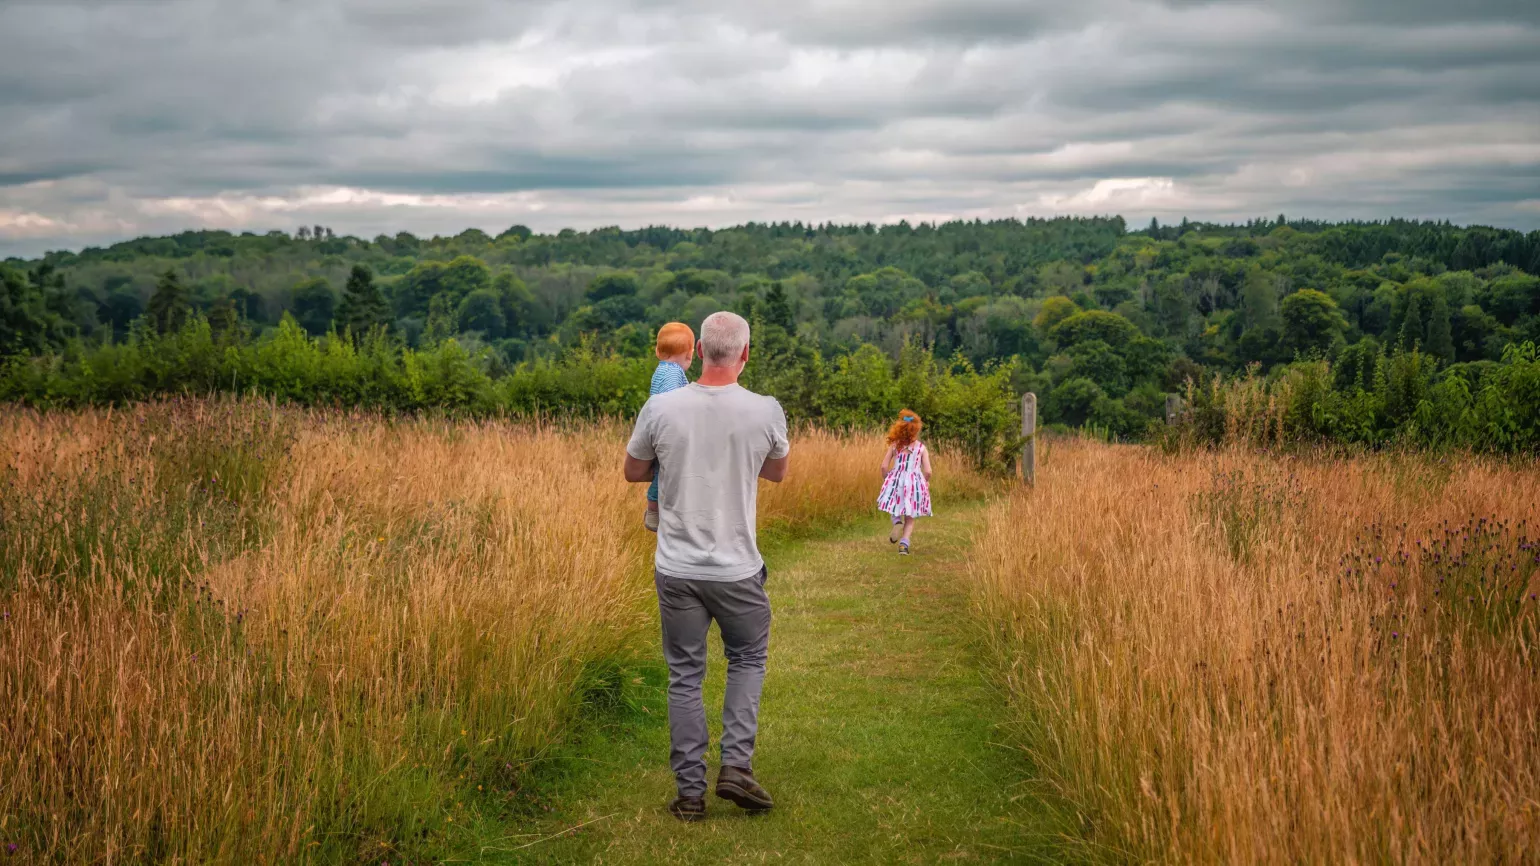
<point x="675" y="351"/>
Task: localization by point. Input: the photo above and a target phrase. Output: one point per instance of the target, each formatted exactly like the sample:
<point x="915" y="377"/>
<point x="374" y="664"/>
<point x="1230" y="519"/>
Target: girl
<point x="906" y="489"/>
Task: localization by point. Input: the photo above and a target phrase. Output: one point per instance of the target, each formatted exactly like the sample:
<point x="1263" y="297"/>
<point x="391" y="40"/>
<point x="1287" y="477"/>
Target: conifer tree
<point x="363" y="306"/>
<point x="777" y="308"/>
<point x="168" y="308"/>
<point x="1411" y="324"/>
<point x="1440" y="342"/>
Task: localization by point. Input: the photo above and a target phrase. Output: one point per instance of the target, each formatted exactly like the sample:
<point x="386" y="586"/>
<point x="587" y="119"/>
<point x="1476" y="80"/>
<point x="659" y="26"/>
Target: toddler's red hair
<point x="674" y="339"/>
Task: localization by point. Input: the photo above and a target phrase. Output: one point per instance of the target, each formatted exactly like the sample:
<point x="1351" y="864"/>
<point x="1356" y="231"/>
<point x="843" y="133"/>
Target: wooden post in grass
<point x="1173" y="408"/>
<point x="1029" y="439"/>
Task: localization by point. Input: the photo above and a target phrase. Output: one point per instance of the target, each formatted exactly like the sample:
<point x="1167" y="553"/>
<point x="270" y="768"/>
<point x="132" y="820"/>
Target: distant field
<point x="1239" y="658"/>
<point x="233" y="632"/>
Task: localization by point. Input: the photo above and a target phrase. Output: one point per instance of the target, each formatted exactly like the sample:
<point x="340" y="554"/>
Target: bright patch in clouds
<point x="1118" y="194"/>
<point x="21" y="224"/>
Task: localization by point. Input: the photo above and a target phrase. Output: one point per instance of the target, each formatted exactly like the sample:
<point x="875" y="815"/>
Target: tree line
<point x="1101" y="322"/>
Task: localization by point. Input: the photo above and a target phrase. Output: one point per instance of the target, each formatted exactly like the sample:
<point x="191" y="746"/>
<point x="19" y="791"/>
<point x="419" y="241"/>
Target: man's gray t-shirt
<point x="710" y="442"/>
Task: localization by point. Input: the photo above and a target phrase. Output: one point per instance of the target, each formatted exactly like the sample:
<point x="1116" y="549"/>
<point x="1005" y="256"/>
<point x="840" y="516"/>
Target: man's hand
<point x="638" y="471"/>
<point x="775" y="468"/>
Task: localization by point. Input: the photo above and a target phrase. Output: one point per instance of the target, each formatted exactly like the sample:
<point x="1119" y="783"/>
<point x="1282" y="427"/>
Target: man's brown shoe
<point x="688" y="808"/>
<point x="737" y="785"/>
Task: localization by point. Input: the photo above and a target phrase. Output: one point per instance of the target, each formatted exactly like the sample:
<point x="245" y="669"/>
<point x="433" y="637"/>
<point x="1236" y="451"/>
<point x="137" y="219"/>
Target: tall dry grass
<point x="237" y="633"/>
<point x="1236" y="658"/>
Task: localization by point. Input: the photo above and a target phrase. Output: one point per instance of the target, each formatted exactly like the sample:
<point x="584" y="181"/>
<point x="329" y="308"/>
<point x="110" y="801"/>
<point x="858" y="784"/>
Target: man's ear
<point x="744" y="358"/>
<point x="700" y="349"/>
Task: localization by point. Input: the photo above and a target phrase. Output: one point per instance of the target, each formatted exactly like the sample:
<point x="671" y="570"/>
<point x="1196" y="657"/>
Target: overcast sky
<point x="120" y="119"/>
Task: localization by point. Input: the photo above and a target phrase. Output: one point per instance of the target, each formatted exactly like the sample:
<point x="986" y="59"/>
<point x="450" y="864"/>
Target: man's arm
<point x="640" y="468"/>
<point x="638" y="471"/>
<point x="775" y="468"/>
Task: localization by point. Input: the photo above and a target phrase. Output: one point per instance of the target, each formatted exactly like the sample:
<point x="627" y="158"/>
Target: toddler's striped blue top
<point x="668" y="377"/>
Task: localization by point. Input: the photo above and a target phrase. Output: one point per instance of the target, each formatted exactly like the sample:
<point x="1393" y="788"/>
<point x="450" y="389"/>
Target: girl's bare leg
<point x="908" y="529"/>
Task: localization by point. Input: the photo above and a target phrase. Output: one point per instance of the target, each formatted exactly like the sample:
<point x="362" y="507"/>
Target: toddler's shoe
<point x="903" y="548"/>
<point x="898" y="531"/>
<point x="651" y="520"/>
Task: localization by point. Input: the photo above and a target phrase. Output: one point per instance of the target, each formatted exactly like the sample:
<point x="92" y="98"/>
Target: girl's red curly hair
<point x="905" y="430"/>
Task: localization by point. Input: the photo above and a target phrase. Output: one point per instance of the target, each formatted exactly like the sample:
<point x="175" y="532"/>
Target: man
<point x="713" y="439"/>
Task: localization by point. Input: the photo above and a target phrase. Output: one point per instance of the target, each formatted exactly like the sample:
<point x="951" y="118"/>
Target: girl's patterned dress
<point x="905" y="492"/>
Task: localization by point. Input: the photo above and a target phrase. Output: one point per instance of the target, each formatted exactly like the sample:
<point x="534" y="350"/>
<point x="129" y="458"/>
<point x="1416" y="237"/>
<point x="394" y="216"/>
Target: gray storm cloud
<point x="122" y="119"/>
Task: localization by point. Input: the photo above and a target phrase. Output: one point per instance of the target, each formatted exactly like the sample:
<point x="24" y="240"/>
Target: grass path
<point x="876" y="737"/>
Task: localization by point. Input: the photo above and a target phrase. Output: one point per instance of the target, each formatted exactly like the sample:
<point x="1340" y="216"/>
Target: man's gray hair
<point x="722" y="338"/>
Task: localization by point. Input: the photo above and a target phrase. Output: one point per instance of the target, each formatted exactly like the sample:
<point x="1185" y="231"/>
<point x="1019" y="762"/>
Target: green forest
<point x="1363" y="332"/>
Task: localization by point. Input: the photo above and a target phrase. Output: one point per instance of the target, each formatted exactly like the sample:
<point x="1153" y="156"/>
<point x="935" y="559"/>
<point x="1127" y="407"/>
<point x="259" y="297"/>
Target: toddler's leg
<point x="650" y="518"/>
<point x="908" y="529"/>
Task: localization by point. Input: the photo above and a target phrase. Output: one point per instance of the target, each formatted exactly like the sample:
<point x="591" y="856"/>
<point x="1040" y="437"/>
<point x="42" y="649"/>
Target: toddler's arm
<point x="925" y="462"/>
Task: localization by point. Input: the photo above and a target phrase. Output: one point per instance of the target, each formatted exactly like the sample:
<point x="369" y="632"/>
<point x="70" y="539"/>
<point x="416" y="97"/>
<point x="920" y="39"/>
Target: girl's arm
<point x="925" y="461"/>
<point x="886" y="459"/>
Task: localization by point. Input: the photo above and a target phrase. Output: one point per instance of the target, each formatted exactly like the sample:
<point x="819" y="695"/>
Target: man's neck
<point x="711" y="374"/>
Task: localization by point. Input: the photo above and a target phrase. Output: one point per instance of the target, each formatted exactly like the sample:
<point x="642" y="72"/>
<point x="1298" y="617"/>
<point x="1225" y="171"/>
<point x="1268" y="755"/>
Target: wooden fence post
<point x="1173" y="408"/>
<point x="1029" y="435"/>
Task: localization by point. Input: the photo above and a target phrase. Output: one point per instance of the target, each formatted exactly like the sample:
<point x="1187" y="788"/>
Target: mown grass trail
<point x="877" y="731"/>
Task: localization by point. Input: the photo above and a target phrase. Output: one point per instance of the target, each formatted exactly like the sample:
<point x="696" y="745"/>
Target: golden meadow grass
<point x="234" y="632"/>
<point x="1235" y="658"/>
